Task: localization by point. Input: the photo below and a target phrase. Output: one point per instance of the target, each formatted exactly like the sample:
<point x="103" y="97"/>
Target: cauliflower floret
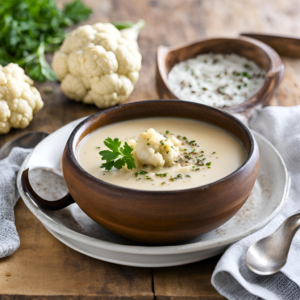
<point x="4" y="117"/>
<point x="133" y="144"/>
<point x="96" y="61"/>
<point x="78" y="38"/>
<point x="105" y="64"/>
<point x="19" y="99"/>
<point x="106" y="28"/>
<point x="60" y="64"/>
<point x="73" y="87"/>
<point x="156" y="150"/>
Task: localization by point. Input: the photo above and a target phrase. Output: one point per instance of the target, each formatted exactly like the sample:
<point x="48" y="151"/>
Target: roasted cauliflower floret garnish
<point x="96" y="65"/>
<point x="156" y="150"/>
<point x="19" y="99"/>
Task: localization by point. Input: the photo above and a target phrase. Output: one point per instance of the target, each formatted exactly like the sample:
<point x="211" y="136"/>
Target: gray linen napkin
<point x="231" y="277"/>
<point x="9" y="195"/>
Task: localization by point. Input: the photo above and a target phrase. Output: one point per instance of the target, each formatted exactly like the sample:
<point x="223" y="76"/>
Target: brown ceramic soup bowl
<point x="156" y="217"/>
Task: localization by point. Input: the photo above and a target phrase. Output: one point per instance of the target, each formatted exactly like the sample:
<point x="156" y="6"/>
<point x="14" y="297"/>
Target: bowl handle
<point x="42" y="203"/>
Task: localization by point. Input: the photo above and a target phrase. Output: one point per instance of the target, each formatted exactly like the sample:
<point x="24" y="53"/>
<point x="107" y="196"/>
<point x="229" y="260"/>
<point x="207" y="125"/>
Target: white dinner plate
<point x="75" y="229"/>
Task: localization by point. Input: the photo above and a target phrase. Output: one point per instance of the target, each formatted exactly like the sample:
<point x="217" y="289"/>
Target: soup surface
<point x="207" y="153"/>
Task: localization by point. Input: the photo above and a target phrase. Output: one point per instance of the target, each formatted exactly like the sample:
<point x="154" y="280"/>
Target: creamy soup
<point x="196" y="153"/>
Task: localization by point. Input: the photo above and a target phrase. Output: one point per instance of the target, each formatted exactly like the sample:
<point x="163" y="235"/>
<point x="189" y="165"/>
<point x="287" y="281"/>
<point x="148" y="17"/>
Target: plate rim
<point x="148" y="250"/>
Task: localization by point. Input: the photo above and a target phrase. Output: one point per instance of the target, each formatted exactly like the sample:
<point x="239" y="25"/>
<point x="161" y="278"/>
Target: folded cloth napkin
<point x="231" y="277"/>
<point x="9" y="195"/>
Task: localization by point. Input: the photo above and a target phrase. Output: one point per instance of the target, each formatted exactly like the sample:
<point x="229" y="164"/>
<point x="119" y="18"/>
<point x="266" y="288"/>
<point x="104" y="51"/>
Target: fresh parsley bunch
<point x="29" y="28"/>
<point x="118" y="156"/>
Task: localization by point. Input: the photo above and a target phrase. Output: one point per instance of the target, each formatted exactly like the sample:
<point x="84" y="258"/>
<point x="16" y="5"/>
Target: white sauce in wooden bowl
<point x="206" y="153"/>
<point x="216" y="79"/>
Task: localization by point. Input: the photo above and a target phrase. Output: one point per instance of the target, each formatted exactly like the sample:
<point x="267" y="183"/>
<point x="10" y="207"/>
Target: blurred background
<point x="171" y="22"/>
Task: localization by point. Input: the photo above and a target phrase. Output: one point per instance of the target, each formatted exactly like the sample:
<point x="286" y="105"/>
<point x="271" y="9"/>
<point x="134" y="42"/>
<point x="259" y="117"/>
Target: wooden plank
<point x="288" y="93"/>
<point x="186" y="282"/>
<point x="43" y="266"/>
<point x="230" y="17"/>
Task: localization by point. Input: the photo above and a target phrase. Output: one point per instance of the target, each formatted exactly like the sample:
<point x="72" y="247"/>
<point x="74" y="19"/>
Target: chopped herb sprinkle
<point x="140" y="172"/>
<point x="161" y="174"/>
<point x="225" y="84"/>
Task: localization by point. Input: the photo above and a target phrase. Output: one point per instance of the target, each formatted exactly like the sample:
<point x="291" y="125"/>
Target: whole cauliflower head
<point x="96" y="65"/>
<point x="156" y="150"/>
<point x="19" y="99"/>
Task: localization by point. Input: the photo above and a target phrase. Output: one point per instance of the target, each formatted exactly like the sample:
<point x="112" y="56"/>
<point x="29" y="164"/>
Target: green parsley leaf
<point x="31" y="28"/>
<point x="77" y="11"/>
<point x="118" y="157"/>
<point x="129" y="24"/>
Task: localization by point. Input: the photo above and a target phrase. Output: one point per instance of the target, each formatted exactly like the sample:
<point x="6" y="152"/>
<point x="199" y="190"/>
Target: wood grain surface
<point x="43" y="268"/>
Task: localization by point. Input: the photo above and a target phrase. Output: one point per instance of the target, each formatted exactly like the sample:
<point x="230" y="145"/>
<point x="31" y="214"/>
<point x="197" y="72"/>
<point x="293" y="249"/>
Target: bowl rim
<point x="276" y="66"/>
<point x="72" y="155"/>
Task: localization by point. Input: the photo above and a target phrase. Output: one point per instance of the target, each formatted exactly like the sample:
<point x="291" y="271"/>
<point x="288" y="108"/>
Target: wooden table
<point x="44" y="268"/>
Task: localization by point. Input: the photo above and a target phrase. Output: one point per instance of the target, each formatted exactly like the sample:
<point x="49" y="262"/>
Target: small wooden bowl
<point x="263" y="55"/>
<point x="155" y="217"/>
